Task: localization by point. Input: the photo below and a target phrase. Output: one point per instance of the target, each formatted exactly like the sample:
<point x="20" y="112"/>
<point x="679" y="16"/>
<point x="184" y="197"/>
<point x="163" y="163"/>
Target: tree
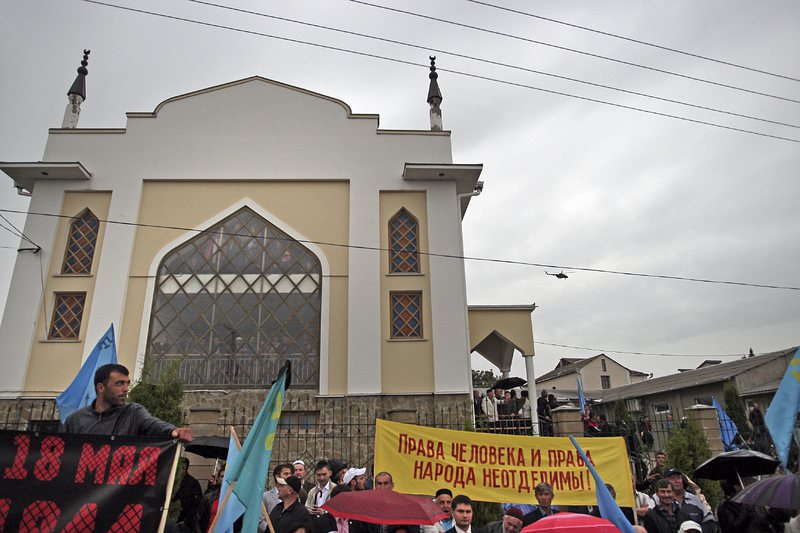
<point x="687" y="447"/>
<point x="621" y="414"/>
<point x="734" y="406"/>
<point x="483" y="379"/>
<point x="162" y="397"/>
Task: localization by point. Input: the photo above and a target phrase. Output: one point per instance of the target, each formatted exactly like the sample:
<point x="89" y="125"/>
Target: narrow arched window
<point x="81" y="244"/>
<point x="233" y="303"/>
<point x="403" y="243"/>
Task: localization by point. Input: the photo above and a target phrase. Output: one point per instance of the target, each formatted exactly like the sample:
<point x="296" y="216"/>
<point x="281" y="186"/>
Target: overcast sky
<point x="569" y="182"/>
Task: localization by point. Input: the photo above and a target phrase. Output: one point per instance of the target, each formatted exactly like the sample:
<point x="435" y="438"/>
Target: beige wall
<point x="590" y="374"/>
<point x="53" y="364"/>
<point x="319" y="211"/>
<point x="406" y="365"/>
<point x="513" y="324"/>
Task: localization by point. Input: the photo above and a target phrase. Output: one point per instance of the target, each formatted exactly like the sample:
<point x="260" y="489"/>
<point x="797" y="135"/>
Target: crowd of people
<point x="502" y="411"/>
<point x="666" y="500"/>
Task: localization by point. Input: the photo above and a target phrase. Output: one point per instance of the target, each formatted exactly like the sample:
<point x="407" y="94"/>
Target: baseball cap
<point x="292" y="481"/>
<point x="672" y="472"/>
<point x="690" y="525"/>
<point x="352" y="473"/>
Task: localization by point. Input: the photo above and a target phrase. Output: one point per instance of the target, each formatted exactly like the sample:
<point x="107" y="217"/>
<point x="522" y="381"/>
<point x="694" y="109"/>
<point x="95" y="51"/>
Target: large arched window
<point x="403" y="243"/>
<point x="234" y="302"/>
<point x="81" y="243"/>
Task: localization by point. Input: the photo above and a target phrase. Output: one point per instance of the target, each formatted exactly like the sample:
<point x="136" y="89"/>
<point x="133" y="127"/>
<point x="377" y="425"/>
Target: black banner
<point x="82" y="483"/>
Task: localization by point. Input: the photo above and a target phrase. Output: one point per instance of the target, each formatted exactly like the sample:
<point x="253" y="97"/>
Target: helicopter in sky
<point x="559" y="275"/>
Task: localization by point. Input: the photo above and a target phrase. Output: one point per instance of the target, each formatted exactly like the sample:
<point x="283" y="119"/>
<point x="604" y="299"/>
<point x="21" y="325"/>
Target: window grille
<point x="403" y="243"/>
<point x="67" y="316"/>
<point x="233" y="303"/>
<point x="81" y="244"/>
<point x="406" y="315"/>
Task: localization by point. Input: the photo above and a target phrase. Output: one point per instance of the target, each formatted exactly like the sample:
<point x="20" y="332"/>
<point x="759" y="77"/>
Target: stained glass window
<point x="81" y="244"/>
<point x="403" y="247"/>
<point x="67" y="316"/>
<point x="406" y="315"/>
<point x="234" y="302"/>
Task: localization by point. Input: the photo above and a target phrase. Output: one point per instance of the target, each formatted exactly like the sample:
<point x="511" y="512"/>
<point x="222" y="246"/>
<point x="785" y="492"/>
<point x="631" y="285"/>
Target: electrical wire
<point x="460" y="73"/>
<point x="637" y="41"/>
<point x="17" y="230"/>
<point x="603" y="350"/>
<point x="433" y="254"/>
<point x="487" y="61"/>
<point x="597" y="56"/>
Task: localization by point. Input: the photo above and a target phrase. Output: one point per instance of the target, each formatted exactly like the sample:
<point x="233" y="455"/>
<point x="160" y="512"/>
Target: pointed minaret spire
<point x="435" y="98"/>
<point x="76" y="94"/>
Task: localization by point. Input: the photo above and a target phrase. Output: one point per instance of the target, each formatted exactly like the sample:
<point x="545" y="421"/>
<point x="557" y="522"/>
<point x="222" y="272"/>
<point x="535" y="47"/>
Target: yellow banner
<point x="499" y="468"/>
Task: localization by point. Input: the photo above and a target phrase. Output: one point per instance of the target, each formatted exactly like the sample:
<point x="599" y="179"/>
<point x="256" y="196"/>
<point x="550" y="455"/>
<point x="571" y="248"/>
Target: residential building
<point x="597" y="373"/>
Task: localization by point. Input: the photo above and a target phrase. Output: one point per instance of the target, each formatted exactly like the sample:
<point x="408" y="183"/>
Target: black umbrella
<point x="776" y="491"/>
<point x="212" y="447"/>
<point x="509" y="383"/>
<point x="739" y="463"/>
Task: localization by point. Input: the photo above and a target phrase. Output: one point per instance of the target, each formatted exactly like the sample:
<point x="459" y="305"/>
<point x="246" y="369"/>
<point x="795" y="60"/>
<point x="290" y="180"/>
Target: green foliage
<point x="483" y="379"/>
<point x="735" y="407"/>
<point x="686" y="449"/>
<point x="621" y="413"/>
<point x="161" y="397"/>
<point x="485" y="512"/>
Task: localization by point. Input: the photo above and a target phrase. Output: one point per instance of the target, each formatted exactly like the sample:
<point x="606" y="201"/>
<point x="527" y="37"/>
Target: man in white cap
<point x="355" y="479"/>
<point x="690" y="526"/>
<point x="299" y="471"/>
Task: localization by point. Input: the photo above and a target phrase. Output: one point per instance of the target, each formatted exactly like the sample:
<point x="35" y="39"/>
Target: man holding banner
<point x="109" y="414"/>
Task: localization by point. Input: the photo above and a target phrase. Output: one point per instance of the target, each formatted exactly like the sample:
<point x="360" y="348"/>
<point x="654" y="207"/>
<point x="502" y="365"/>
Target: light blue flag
<point x="605" y="501"/>
<point x="233" y="508"/>
<point x="249" y="470"/>
<point x="782" y="412"/>
<point x="581" y="397"/>
<point x="81" y="391"/>
<point x="727" y="427"/>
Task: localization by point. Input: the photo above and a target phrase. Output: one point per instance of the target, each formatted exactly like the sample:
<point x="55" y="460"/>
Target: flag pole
<point x="170" y="484"/>
<point x="222" y="505"/>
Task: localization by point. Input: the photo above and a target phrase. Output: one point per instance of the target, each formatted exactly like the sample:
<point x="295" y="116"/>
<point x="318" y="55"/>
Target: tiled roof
<point x="691" y="378"/>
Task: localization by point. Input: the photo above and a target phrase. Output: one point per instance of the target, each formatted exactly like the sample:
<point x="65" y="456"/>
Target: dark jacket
<point x="534" y="516"/>
<point x="657" y="521"/>
<point x="131" y="419"/>
<point x="283" y="520"/>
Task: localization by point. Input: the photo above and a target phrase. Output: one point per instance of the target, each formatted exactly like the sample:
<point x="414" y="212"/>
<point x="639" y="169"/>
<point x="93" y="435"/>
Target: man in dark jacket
<point x="667" y="515"/>
<point x="544" y="496"/>
<point x="110" y="414"/>
<point x="290" y="511"/>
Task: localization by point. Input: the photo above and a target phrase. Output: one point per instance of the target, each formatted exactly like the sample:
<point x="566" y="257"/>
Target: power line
<point x="637" y="41"/>
<point x="488" y="61"/>
<point x="17" y="230"/>
<point x="433" y="254"/>
<point x="603" y="350"/>
<point x="460" y="73"/>
<point x="597" y="56"/>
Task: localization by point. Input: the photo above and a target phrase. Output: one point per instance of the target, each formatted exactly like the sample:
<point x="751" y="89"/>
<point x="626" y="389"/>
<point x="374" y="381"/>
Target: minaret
<point x="76" y="94"/>
<point x="435" y="98"/>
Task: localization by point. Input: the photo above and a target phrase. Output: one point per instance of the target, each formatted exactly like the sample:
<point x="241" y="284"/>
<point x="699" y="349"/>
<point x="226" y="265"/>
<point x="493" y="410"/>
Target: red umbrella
<point x="384" y="506"/>
<point x="564" y="522"/>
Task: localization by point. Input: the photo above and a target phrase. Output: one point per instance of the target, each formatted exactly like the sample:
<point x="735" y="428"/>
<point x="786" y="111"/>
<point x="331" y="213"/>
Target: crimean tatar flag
<point x="249" y="470"/>
<point x="782" y="412"/>
<point x="605" y="501"/>
<point x="81" y="391"/>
